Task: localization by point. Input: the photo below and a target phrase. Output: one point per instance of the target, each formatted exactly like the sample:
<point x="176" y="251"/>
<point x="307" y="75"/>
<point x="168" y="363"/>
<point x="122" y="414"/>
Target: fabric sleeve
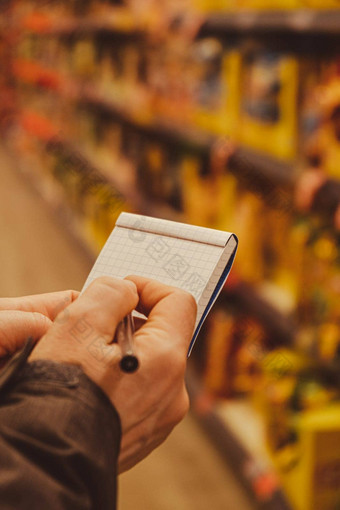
<point x="59" y="441"/>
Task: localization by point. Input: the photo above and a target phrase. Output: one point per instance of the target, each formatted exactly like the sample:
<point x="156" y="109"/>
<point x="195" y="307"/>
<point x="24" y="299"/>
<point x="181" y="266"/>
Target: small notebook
<point x="195" y="259"/>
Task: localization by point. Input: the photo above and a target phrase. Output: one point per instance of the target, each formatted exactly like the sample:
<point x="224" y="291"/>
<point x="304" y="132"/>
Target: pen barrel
<point x="129" y="362"/>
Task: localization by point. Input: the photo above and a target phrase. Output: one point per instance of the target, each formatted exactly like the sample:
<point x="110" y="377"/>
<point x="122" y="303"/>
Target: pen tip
<point x="129" y="364"/>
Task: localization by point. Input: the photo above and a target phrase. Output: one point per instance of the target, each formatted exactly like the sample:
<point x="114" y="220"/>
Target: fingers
<point x="16" y="327"/>
<point x="89" y="324"/>
<point x="104" y="304"/>
<point x="49" y="305"/>
<point x="170" y="310"/>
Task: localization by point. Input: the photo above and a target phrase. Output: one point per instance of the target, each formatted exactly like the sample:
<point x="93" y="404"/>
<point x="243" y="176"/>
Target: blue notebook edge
<point x="216" y="292"/>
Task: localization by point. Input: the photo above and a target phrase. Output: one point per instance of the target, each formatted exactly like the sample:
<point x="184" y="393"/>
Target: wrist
<point x="97" y="360"/>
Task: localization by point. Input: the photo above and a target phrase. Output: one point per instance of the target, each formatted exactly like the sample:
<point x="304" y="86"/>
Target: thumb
<point x="16" y="327"/>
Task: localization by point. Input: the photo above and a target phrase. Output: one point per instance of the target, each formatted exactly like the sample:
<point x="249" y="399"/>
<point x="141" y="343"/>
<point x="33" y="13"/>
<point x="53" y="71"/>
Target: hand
<point x="154" y="399"/>
<point x="157" y="392"/>
<point x="29" y="316"/>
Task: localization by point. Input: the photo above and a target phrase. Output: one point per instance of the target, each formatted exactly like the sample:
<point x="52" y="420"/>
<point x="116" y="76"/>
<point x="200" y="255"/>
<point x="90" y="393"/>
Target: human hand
<point x="158" y="390"/>
<point x="154" y="399"/>
<point x="28" y="316"/>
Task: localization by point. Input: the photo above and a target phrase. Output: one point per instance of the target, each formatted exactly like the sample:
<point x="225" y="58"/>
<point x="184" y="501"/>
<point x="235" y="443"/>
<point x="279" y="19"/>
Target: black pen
<point x="124" y="336"/>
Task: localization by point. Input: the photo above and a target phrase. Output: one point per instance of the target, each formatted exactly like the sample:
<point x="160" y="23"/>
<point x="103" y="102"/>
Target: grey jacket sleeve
<point x="59" y="440"/>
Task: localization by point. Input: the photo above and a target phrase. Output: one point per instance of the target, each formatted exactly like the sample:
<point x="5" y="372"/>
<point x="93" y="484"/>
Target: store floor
<point x="38" y="255"/>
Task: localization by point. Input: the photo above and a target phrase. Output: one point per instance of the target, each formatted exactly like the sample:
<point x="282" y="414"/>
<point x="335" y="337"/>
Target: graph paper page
<point x="185" y="256"/>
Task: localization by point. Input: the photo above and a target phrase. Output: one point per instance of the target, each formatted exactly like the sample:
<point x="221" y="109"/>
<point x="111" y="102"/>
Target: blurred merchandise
<point x="269" y="108"/>
<point x="318" y="4"/>
<point x="302" y="413"/>
<point x="214" y="5"/>
<point x="321" y="114"/>
<point x="217" y="75"/>
<point x="225" y="114"/>
<point x="269" y="4"/>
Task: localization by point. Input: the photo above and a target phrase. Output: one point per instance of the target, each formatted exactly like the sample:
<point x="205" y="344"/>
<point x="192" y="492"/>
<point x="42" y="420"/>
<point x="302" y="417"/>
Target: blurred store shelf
<point x="266" y="175"/>
<point x="303" y="21"/>
<point x="85" y="162"/>
<point x="251" y="21"/>
<point x="117" y="22"/>
<point x="249" y="299"/>
<point x="238" y="433"/>
<point x="258" y="168"/>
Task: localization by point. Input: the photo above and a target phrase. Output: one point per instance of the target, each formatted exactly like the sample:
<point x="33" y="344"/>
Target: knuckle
<point x="71" y="318"/>
<point x="40" y="321"/>
<point x="116" y="286"/>
<point x="69" y="297"/>
<point x="74" y="294"/>
<point x="105" y="281"/>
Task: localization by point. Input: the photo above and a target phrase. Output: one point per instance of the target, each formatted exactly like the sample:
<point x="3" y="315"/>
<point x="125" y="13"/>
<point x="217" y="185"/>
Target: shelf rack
<point x="117" y="22"/>
<point x="261" y="172"/>
<point x="245" y="297"/>
<point x="246" y="162"/>
<point x="185" y="138"/>
<point x="257" y="478"/>
<point x="50" y="136"/>
<point x="325" y="22"/>
<point x="265" y="175"/>
<point x="309" y="22"/>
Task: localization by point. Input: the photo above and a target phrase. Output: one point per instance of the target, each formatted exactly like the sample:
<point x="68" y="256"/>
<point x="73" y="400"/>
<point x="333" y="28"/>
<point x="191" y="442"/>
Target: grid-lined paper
<point x="185" y="256"/>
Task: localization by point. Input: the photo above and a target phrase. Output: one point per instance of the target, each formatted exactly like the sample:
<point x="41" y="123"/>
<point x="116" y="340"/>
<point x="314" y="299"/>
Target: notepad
<point x="195" y="259"/>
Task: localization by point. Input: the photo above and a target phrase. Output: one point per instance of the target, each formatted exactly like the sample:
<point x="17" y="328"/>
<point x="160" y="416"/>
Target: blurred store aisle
<point x="37" y="255"/>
